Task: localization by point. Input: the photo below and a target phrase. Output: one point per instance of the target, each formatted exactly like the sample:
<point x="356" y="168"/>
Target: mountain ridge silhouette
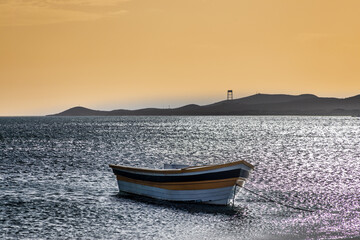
<point x="258" y="104"/>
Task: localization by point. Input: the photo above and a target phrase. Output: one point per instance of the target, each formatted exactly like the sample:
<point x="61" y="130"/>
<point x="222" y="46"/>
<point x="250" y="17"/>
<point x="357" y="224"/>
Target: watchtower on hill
<point x="229" y="95"/>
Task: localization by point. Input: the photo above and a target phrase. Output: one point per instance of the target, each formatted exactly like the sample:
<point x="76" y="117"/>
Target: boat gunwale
<point x="182" y="170"/>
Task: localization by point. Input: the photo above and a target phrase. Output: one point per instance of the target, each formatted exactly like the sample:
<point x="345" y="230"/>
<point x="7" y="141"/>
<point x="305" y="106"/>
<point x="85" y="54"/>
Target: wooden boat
<point x="211" y="184"/>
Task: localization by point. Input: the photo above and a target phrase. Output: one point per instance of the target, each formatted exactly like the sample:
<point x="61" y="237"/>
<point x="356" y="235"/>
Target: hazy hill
<point x="259" y="104"/>
<point x="81" y="111"/>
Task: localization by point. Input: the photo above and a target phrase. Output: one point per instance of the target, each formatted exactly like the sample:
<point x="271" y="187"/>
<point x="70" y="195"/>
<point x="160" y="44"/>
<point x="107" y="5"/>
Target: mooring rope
<point x="278" y="202"/>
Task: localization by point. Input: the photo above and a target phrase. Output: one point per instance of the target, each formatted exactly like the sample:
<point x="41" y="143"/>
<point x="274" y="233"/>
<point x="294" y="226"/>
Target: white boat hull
<point x="217" y="196"/>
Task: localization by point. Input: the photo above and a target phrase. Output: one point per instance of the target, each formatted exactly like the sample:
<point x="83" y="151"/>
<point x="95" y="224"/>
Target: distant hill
<point x="81" y="111"/>
<point x="258" y="104"/>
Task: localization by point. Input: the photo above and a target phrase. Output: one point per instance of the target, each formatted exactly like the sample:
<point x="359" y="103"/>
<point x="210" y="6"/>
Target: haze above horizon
<point x="112" y="54"/>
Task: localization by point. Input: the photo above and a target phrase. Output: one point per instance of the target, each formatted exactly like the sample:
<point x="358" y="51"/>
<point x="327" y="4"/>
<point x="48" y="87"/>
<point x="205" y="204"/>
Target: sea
<point x="56" y="182"/>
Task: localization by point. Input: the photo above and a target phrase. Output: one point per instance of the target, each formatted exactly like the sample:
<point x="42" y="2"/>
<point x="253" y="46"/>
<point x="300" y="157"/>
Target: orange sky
<point x="110" y="54"/>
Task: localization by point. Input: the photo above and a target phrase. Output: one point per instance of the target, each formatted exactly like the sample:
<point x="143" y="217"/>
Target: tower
<point x="229" y="95"/>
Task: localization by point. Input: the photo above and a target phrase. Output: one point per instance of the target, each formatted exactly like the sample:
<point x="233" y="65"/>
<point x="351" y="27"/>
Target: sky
<point x="113" y="54"/>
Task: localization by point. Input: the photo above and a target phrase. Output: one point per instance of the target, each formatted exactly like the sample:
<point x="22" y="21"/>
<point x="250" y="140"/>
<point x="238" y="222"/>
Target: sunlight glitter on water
<point x="56" y="182"/>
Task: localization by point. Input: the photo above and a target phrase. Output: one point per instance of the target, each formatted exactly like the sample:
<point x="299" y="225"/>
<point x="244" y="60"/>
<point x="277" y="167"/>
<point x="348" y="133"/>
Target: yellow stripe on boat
<point x="196" y="185"/>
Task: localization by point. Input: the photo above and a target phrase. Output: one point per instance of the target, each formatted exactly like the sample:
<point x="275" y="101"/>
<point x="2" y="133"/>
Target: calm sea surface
<point x="56" y="183"/>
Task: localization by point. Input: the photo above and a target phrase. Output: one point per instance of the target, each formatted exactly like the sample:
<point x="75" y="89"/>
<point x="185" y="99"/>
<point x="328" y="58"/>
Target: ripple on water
<point x="56" y="183"/>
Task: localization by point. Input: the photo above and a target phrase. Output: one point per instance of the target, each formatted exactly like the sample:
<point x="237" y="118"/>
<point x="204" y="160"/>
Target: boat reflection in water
<point x="211" y="184"/>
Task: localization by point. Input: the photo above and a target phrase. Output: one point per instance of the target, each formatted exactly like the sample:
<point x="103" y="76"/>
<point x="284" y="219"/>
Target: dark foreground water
<point x="56" y="183"/>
